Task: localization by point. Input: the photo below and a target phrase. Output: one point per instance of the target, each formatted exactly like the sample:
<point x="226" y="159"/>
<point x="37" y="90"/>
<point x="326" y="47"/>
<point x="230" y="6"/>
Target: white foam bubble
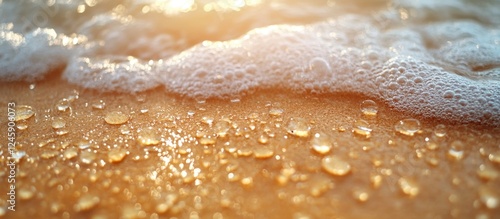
<point x="30" y="56"/>
<point x="439" y="93"/>
<point x="108" y="74"/>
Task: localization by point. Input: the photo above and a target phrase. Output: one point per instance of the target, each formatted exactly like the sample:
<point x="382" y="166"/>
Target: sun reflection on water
<point x="183" y="6"/>
<point x="229" y="5"/>
<point x="174" y="6"/>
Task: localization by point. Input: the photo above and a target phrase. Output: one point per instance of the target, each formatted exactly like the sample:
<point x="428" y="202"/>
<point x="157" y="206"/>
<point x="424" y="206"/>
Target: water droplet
<point x="86" y="203"/>
<point x="482" y="215"/>
<point x="116" y="118"/>
<point x="494" y="157"/>
<point x="369" y="108"/>
<point x="207" y="120"/>
<point x="61" y="132"/>
<point x="58" y="122"/>
<point x="361" y="127"/>
<point x="217" y="215"/>
<point x="87" y="157"/>
<point x="376" y="181"/>
<point x="298" y="127"/>
<point x="301" y="215"/>
<point x="65" y="144"/>
<point x="263" y="139"/>
<point x="252" y="126"/>
<point x="222" y="127"/>
<point x="131" y="211"/>
<point x="377" y="162"/>
<point x="46" y="142"/>
<point x="124" y="129"/>
<point x="49" y="154"/>
<point x="73" y="96"/>
<point x="55" y="207"/>
<point x="263" y="152"/>
<point x="320" y="186"/>
<point x="275" y="112"/>
<point x="24" y="112"/>
<point x="235" y="100"/>
<point x="116" y="155"/>
<point x="432" y="160"/>
<point x="83" y="144"/>
<point x="63" y="104"/>
<point x="440" y="130"/>
<point x="232" y="177"/>
<point x="170" y="122"/>
<point x="320" y="67"/>
<point x="456" y="181"/>
<point x="245" y="152"/>
<point x="99" y="105"/>
<point x="431" y="145"/>
<point x="18" y="155"/>
<point x="285" y="175"/>
<point x="166" y="204"/>
<point x="247" y="181"/>
<point x="341" y="129"/>
<point x="408" y="186"/>
<point x="25" y="193"/>
<point x="70" y="153"/>
<point x="489" y="197"/>
<point x="162" y="208"/>
<point x="453" y="198"/>
<point x="148" y="137"/>
<point x="321" y="143"/>
<point x="207" y="140"/>
<point x="456" y="150"/>
<point x="407" y="126"/>
<point x="335" y="165"/>
<point x="487" y="172"/>
<point x="200" y="133"/>
<point x="22" y="125"/>
<point x="361" y="195"/>
<point x="253" y="115"/>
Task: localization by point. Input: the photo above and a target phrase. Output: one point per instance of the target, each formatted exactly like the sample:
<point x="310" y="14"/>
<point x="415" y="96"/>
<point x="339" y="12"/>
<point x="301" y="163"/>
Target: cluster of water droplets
<point x="201" y="147"/>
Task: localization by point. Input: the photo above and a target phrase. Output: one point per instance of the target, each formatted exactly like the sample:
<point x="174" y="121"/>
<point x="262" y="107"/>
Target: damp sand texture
<point x="85" y="154"/>
<point x="250" y="109"/>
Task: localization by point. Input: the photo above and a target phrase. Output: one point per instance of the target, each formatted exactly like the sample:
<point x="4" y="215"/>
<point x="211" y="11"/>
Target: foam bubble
<point x="107" y="74"/>
<point x="29" y="57"/>
<point x="433" y="96"/>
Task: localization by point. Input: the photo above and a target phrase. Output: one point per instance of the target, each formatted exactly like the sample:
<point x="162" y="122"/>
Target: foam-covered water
<point x="434" y="58"/>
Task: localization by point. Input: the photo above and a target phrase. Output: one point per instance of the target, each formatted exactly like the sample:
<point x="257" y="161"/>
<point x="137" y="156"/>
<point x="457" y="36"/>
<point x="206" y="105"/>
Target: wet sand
<point x="158" y="155"/>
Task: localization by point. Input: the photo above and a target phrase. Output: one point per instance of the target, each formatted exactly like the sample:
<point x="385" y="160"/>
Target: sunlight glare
<point x="174" y="6"/>
<point x="229" y="5"/>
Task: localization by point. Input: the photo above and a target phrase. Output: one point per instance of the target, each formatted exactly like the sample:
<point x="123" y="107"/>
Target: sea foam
<point x="455" y="83"/>
<point x="29" y="57"/>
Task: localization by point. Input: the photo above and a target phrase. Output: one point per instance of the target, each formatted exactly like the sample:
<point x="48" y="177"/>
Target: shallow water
<point x="438" y="60"/>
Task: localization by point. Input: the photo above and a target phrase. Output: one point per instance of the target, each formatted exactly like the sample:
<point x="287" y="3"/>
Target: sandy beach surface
<point x="272" y="154"/>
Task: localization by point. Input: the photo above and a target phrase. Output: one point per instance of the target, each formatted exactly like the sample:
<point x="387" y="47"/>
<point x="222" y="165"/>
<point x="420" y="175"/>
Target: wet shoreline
<point x="269" y="154"/>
